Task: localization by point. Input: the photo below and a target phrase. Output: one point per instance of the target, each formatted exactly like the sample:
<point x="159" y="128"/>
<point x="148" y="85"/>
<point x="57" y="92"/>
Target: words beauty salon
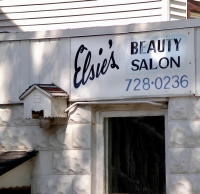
<point x="155" y="46"/>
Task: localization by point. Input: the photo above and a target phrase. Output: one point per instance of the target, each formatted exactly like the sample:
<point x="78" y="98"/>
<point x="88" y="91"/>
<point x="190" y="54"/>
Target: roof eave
<point x="31" y="89"/>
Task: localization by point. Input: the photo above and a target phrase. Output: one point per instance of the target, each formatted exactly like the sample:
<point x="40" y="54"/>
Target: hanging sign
<point x="133" y="65"/>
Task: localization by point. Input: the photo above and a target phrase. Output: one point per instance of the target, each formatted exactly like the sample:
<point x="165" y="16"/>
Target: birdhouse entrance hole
<point x="37" y="114"/>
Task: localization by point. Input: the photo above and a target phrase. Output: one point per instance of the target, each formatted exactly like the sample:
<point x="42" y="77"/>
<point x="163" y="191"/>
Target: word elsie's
<point x="155" y="46"/>
<point x="91" y="71"/>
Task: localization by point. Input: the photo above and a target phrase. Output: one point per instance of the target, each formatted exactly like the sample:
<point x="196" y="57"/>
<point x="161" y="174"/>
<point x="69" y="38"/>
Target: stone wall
<point x="63" y="164"/>
<point x="184" y="145"/>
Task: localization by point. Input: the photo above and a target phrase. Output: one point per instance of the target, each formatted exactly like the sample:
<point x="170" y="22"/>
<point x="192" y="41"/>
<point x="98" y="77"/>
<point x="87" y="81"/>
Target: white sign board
<point x="133" y="65"/>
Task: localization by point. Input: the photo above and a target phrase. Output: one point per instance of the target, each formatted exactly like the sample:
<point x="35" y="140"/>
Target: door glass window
<point x="135" y="156"/>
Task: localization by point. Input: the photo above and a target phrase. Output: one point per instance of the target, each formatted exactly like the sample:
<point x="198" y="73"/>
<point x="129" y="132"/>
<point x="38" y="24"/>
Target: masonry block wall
<point x="184" y="145"/>
<point x="63" y="164"/>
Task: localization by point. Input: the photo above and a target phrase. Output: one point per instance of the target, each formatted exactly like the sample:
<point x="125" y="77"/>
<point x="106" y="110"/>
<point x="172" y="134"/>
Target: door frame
<point x="99" y="176"/>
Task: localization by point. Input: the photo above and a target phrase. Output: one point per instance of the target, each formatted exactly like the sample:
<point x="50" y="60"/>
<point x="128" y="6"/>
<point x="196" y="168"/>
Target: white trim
<point x="186" y="9"/>
<point x="63" y="9"/>
<point x="31" y="89"/>
<point x="67" y="18"/>
<point x="97" y="31"/>
<point x="99" y="180"/>
<point x="166" y="152"/>
<point x="165" y="10"/>
<point x="8" y="3"/>
<point x="12" y="103"/>
<point x="197" y="62"/>
<point x="114" y="102"/>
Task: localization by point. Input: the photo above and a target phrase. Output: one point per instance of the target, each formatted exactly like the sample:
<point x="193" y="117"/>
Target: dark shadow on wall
<point x="30" y="60"/>
<point x="6" y="24"/>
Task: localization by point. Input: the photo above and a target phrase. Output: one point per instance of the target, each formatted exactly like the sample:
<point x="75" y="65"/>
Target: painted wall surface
<point x="178" y="9"/>
<point x="23" y="63"/>
<point x="48" y="14"/>
<point x="184" y="146"/>
<point x="65" y="162"/>
<point x="66" y="159"/>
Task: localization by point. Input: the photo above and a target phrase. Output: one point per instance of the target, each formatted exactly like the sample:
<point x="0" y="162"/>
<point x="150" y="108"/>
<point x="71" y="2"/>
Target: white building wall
<point x="63" y="164"/>
<point x="184" y="134"/>
<point x="23" y="63"/>
<point x="178" y="9"/>
<point x="44" y="57"/>
<point x="17" y="16"/>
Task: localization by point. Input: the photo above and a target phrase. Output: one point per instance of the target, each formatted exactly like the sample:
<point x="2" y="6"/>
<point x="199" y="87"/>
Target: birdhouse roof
<point x="51" y="90"/>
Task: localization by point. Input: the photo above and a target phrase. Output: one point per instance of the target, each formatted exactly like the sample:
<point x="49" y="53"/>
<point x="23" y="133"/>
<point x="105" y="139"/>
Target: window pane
<point x="136" y="155"/>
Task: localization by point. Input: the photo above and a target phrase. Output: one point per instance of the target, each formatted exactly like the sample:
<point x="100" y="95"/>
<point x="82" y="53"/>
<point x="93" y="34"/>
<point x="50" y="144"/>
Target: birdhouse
<point x="44" y="100"/>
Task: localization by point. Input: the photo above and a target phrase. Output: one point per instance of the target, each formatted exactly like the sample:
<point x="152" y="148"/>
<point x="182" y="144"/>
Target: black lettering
<point x="104" y="68"/>
<point x="110" y="43"/>
<point x="100" y="51"/>
<point x="91" y="73"/>
<point x="177" y="42"/>
<point x="152" y="46"/>
<point x="98" y="72"/>
<point x="161" y="63"/>
<point x="85" y="68"/>
<point x="151" y="64"/>
<point x="134" y="48"/>
<point x="76" y="68"/>
<point x="142" y="47"/>
<point x="163" y="46"/>
<point x="176" y="63"/>
<point x="135" y="65"/>
<point x="88" y="70"/>
<point x="143" y="62"/>
<point x="112" y="60"/>
<point x="169" y="44"/>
